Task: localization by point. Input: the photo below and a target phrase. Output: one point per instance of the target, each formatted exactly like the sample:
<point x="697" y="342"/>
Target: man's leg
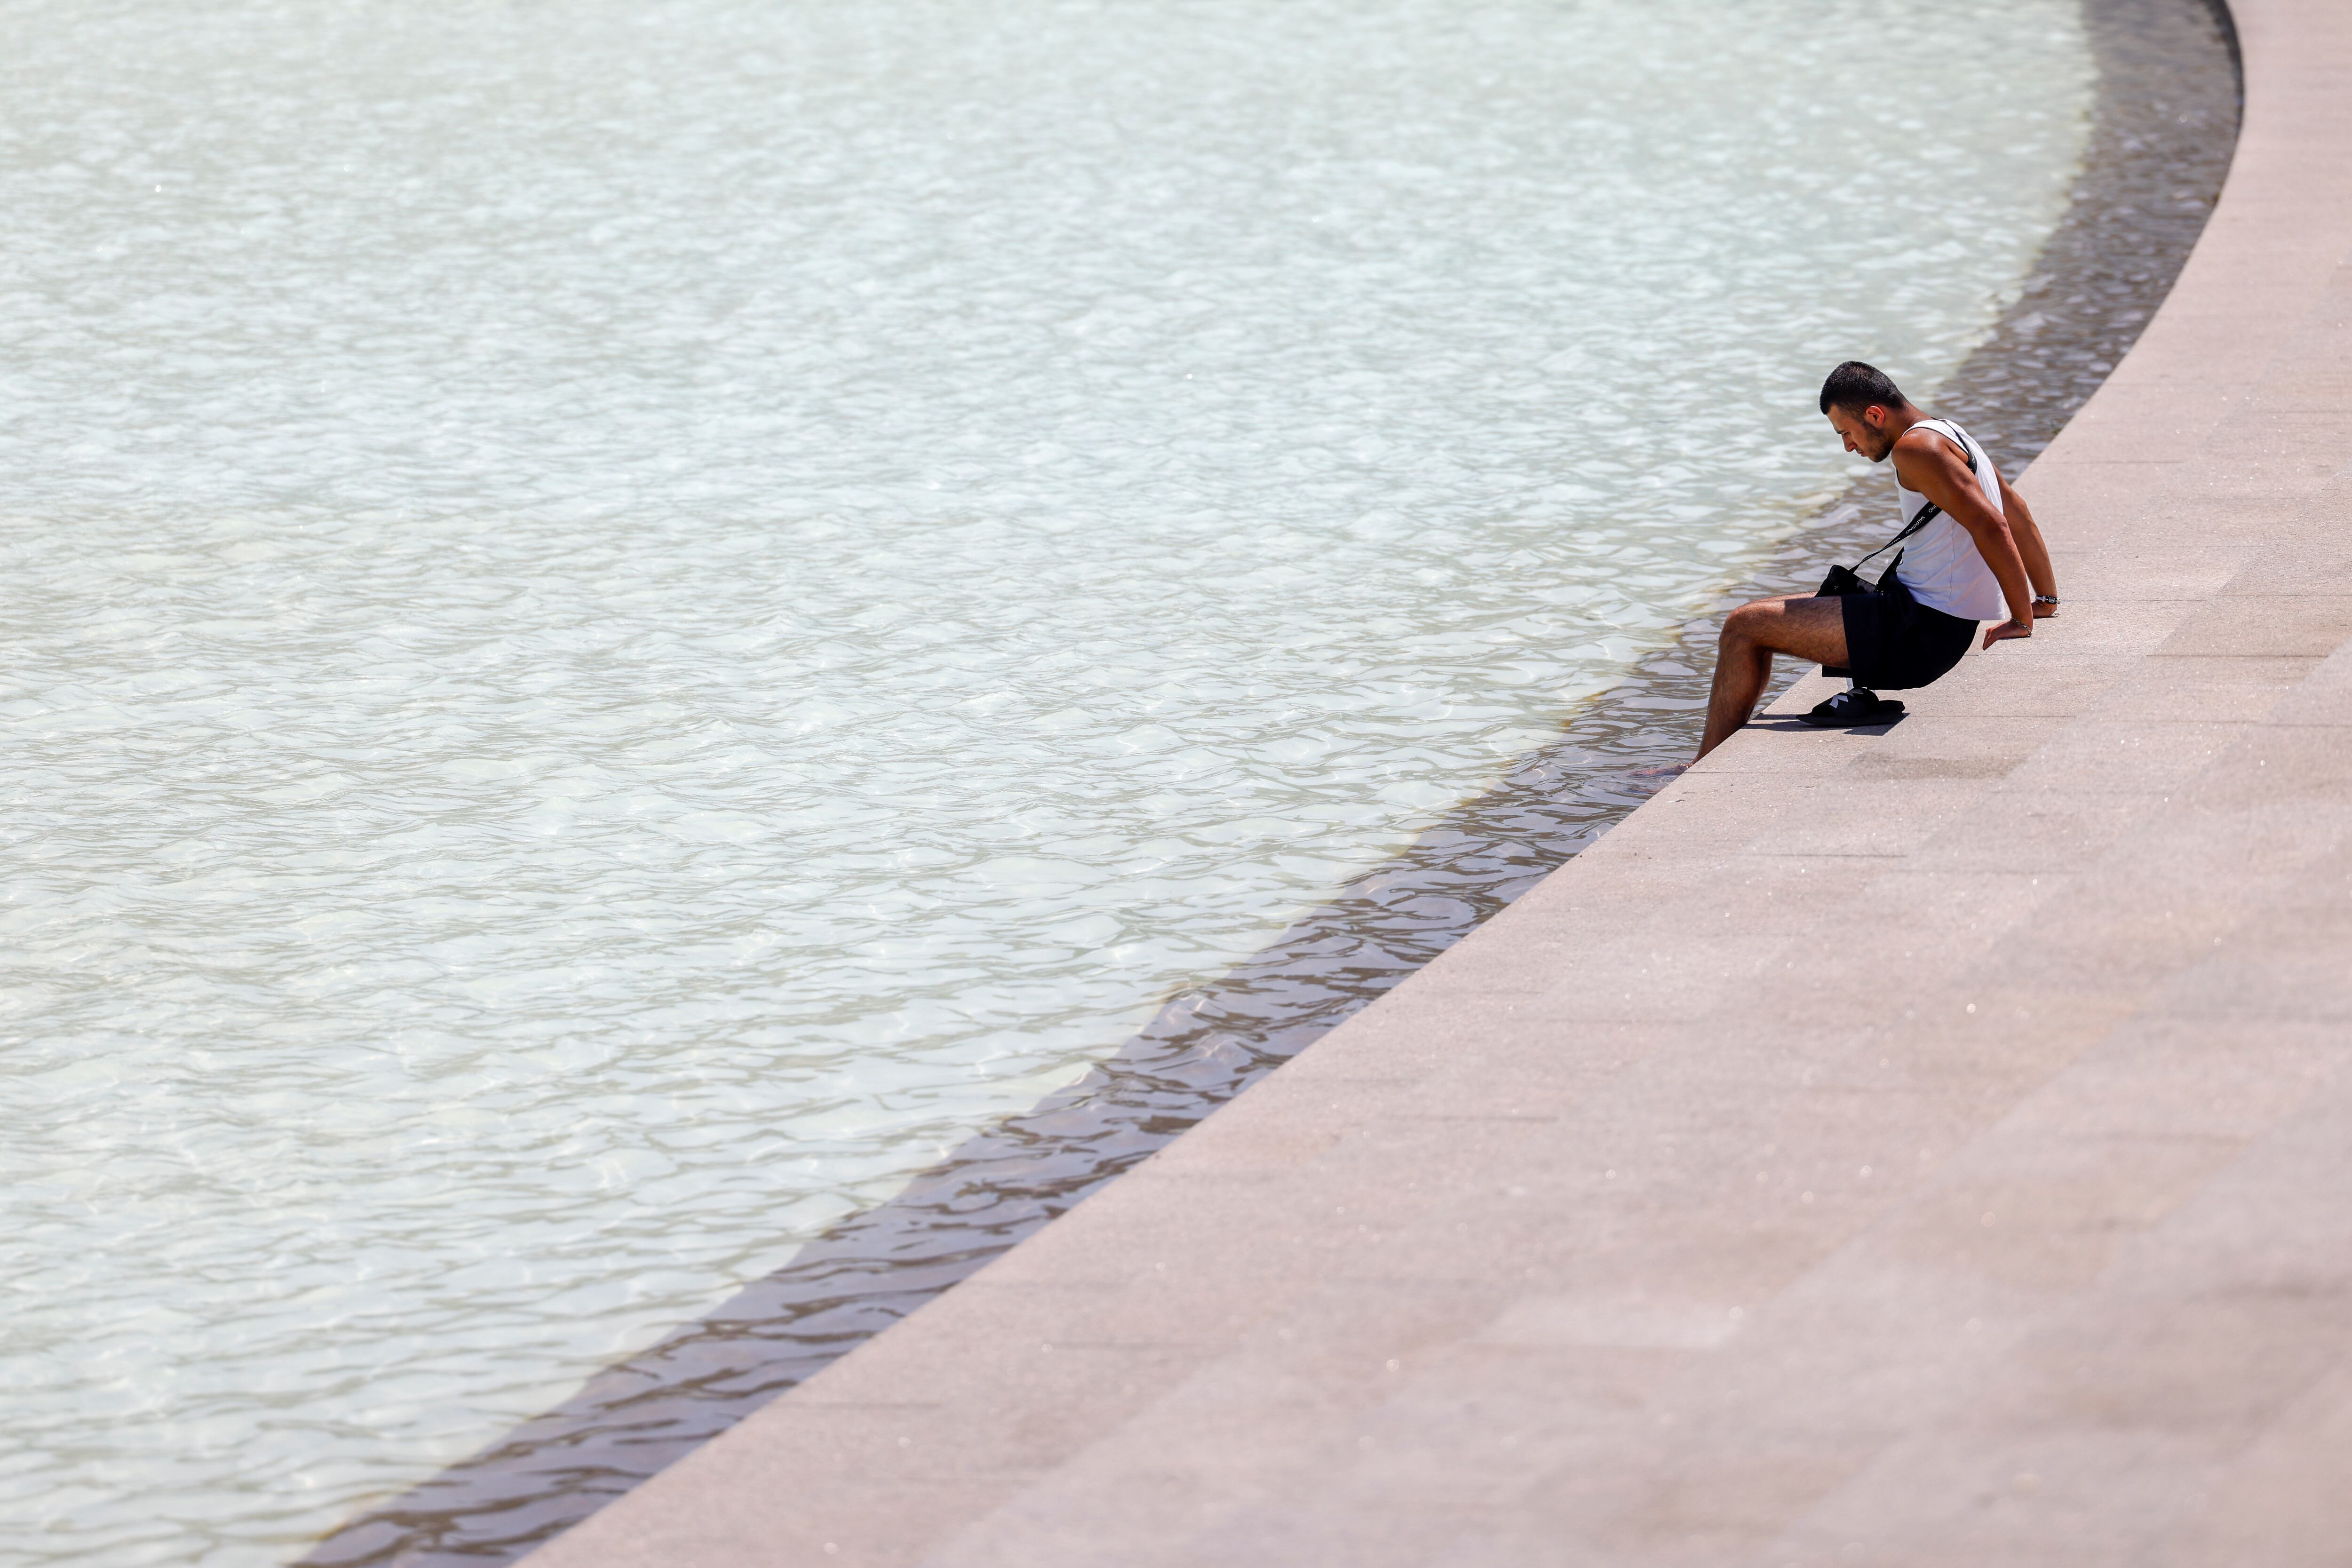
<point x="1811" y="628"/>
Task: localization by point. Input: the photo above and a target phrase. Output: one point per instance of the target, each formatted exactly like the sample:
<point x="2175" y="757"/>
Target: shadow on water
<point x="2161" y="142"/>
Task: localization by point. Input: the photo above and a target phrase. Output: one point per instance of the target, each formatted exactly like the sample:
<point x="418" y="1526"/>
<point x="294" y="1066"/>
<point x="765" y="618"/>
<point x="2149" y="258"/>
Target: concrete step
<point x="1923" y="1147"/>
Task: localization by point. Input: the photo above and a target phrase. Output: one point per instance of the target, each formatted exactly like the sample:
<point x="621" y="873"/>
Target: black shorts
<point x="1893" y="642"/>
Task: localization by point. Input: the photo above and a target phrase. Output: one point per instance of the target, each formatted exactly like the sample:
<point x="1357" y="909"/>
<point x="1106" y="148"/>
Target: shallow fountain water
<point x="628" y="621"/>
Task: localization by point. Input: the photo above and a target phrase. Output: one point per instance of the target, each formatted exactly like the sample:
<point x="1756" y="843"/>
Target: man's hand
<point x="2006" y="630"/>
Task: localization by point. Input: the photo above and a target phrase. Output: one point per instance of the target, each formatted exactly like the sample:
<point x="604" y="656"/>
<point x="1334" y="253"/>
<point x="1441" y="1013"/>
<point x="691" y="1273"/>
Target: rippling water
<point x="625" y="621"/>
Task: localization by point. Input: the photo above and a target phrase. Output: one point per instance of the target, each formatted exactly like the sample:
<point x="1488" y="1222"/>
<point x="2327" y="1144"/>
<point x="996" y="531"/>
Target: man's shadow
<point x="1795" y="722"/>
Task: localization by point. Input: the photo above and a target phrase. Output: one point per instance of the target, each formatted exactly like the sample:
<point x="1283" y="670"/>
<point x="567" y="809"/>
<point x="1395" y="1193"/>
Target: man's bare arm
<point x="2030" y="548"/>
<point x="1928" y="464"/>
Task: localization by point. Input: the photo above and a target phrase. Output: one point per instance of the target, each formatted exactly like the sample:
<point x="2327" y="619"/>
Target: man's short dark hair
<point x="1854" y="386"/>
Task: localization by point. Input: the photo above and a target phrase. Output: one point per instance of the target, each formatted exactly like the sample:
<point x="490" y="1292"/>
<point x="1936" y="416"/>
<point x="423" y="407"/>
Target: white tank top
<point x="1941" y="565"/>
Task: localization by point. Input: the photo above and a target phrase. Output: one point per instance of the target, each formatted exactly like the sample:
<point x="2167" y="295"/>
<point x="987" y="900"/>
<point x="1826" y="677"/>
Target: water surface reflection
<point x="2160" y="148"/>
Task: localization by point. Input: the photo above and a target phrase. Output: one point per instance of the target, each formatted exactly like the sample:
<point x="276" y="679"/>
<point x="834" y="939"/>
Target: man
<point x="1978" y="552"/>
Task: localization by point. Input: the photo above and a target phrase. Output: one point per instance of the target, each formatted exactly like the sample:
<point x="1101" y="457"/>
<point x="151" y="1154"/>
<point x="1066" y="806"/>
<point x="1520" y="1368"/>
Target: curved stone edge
<point x="1924" y="1147"/>
<point x="2154" y="166"/>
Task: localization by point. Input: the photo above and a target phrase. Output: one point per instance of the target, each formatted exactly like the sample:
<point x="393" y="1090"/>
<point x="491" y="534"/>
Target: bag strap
<point x="1930" y="511"/>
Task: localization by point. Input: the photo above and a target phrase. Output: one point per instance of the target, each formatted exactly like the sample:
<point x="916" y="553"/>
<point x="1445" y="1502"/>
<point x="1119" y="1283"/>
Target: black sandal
<point x="1848" y="709"/>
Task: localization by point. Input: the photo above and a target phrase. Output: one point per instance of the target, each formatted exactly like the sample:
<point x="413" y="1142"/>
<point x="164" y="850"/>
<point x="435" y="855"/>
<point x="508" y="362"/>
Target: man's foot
<point x="1848" y="709"/>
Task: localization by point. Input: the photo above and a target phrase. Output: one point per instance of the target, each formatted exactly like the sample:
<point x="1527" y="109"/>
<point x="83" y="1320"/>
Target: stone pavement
<point x="1932" y="1147"/>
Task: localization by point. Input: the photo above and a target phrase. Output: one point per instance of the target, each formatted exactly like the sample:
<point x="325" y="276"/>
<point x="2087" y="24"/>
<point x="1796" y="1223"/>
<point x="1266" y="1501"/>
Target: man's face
<point x="1864" y="432"/>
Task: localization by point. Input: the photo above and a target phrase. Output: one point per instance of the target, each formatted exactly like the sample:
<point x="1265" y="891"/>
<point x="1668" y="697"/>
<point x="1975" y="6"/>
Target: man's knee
<point x="1748" y="622"/>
